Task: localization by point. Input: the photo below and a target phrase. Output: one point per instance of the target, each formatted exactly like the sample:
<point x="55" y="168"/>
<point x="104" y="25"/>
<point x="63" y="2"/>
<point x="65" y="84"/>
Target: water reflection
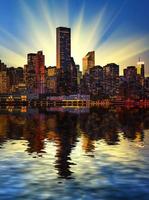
<point x="64" y="130"/>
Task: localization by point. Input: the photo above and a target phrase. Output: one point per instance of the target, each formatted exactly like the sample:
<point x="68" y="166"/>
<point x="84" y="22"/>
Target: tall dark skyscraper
<point x="63" y="47"/>
<point x="111" y="79"/>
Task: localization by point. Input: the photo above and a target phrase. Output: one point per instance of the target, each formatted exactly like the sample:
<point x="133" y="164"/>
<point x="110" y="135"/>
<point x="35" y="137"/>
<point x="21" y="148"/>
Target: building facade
<point x="88" y="61"/>
<point x="4" y="82"/>
<point x="63" y="47"/>
<point x="51" y="80"/>
<point x="40" y="73"/>
<point x="96" y="82"/>
<point x="140" y="68"/>
<point x="111" y="79"/>
<point x="34" y="73"/>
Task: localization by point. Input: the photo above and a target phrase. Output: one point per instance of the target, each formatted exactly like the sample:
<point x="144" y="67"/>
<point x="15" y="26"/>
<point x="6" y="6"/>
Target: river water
<point x="101" y="153"/>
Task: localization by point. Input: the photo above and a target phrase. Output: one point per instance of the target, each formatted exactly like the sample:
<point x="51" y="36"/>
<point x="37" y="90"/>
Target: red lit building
<point x="34" y="73"/>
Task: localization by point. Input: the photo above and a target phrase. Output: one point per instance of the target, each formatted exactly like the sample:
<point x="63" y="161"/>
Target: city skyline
<point x="95" y="81"/>
<point x="92" y="30"/>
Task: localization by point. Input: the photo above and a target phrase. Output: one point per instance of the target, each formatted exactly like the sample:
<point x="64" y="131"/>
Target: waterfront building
<point x="92" y="82"/>
<point x="129" y="82"/>
<point x="96" y="82"/>
<point x="51" y="80"/>
<point x="4" y="82"/>
<point x="12" y="78"/>
<point x="40" y="73"/>
<point x="134" y="84"/>
<point x="111" y="79"/>
<point x="35" y="73"/>
<point x="130" y="73"/>
<point x="16" y="77"/>
<point x="20" y="88"/>
<point x="30" y="73"/>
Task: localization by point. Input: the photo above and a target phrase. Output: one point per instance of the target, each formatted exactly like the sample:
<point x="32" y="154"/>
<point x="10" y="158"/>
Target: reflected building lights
<point x="71" y="134"/>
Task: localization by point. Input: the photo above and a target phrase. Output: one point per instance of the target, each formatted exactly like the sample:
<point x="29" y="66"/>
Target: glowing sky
<point x="117" y="30"/>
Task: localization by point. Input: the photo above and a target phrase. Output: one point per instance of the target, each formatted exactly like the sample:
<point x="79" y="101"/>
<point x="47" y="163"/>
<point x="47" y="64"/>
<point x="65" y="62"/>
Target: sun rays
<point x="37" y="32"/>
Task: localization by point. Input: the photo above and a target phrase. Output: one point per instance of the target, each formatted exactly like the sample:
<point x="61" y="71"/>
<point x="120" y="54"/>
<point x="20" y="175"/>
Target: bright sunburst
<point x="37" y="32"/>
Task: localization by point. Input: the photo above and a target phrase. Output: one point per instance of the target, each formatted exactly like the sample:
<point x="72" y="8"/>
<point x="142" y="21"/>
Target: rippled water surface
<point x="74" y="154"/>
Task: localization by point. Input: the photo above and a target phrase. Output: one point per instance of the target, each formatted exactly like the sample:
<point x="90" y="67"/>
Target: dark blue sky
<point x="134" y="13"/>
<point x="129" y="17"/>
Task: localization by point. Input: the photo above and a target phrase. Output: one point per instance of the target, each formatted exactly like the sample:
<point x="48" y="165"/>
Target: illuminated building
<point x="130" y="73"/>
<point x="12" y="79"/>
<point x="40" y="73"/>
<point x="20" y="88"/>
<point x="34" y="73"/>
<point x="4" y="82"/>
<point x="130" y="86"/>
<point x="96" y="82"/>
<point x="134" y="82"/>
<point x="140" y="68"/>
<point x="111" y="79"/>
<point x="67" y="70"/>
<point x="30" y="73"/>
<point x="51" y="71"/>
<point x="92" y="82"/>
<point x="63" y="47"/>
<point x="4" y="79"/>
<point x="67" y="79"/>
<point x="88" y="61"/>
<point x="16" y="77"/>
<point x="51" y="80"/>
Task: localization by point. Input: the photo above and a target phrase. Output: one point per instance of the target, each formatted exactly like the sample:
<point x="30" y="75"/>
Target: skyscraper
<point x="88" y="61"/>
<point x="111" y="79"/>
<point x="130" y="85"/>
<point x="51" y="80"/>
<point x="4" y="82"/>
<point x="35" y="73"/>
<point x="140" y="68"/>
<point x="96" y="82"/>
<point x="29" y="73"/>
<point x="63" y="47"/>
<point x="40" y="73"/>
<point x="130" y="73"/>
